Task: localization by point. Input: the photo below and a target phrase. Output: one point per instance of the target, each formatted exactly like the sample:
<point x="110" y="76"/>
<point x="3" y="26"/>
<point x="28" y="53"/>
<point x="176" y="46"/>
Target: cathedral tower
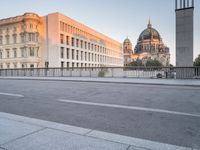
<point x="127" y="45"/>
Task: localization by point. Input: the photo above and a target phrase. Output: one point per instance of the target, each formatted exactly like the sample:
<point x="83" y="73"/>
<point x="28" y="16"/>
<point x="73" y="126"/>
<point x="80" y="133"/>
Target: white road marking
<point x="11" y="94"/>
<point x="129" y="107"/>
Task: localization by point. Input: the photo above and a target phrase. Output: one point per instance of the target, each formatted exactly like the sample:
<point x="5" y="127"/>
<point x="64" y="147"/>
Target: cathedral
<point x="149" y="46"/>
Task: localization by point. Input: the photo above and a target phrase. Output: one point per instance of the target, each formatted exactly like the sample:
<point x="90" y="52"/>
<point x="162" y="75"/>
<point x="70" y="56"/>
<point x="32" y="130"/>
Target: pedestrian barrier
<point x="119" y="72"/>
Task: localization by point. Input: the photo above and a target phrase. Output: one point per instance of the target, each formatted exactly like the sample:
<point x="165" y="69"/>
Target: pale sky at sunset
<point x="115" y="18"/>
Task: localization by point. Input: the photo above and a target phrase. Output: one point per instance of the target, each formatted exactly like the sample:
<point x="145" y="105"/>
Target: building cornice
<point x="22" y="18"/>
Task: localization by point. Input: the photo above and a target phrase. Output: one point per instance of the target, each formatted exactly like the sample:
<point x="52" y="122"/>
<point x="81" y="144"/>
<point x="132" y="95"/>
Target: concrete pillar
<point x="184" y="34"/>
<point x="181" y="3"/>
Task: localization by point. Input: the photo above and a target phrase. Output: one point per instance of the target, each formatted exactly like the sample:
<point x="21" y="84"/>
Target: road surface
<point x="166" y="114"/>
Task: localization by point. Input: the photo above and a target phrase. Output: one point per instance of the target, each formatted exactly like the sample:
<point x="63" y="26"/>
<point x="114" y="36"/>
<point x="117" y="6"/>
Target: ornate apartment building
<point x="55" y="40"/>
<point x="20" y="41"/>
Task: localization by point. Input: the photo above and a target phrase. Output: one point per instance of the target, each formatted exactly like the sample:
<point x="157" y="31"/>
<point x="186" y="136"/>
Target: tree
<point x="137" y="62"/>
<point x="197" y="61"/>
<point x="151" y="62"/>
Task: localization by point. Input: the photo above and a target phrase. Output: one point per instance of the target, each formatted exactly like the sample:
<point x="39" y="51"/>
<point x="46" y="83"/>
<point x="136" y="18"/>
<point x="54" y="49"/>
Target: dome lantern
<point x="149" y="24"/>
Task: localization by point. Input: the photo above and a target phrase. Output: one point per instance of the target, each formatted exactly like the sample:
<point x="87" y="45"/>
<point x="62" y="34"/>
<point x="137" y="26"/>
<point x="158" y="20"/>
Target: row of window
<point x="151" y="46"/>
<point x="7" y="30"/>
<point x="14" y="29"/>
<point x="81" y="44"/>
<point x="73" y="30"/>
<point x="14" y="53"/>
<point x="78" y="43"/>
<point x="81" y="65"/>
<point x="80" y="55"/>
<point x="64" y="27"/>
<point x="30" y="37"/>
<point x="16" y="65"/>
<point x="72" y="54"/>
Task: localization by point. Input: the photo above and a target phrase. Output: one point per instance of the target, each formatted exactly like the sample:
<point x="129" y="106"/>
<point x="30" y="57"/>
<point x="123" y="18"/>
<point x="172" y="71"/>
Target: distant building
<point x="55" y="40"/>
<point x="149" y="46"/>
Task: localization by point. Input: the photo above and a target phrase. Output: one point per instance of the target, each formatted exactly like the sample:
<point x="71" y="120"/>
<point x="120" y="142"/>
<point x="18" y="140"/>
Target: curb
<point x="95" y="81"/>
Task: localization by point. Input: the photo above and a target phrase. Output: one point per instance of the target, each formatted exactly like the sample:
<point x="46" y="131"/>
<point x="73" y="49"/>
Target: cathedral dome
<point x="149" y="33"/>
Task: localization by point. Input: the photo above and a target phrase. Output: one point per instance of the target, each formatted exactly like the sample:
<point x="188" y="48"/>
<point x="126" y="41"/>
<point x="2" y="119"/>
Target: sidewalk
<point x="22" y="133"/>
<point x="168" y="82"/>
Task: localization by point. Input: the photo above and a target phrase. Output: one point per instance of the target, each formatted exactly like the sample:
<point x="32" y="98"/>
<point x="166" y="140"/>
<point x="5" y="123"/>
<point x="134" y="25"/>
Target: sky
<point x="115" y="18"/>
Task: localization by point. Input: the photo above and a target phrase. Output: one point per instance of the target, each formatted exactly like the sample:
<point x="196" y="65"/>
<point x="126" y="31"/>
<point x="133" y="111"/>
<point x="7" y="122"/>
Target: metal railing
<point x="120" y="72"/>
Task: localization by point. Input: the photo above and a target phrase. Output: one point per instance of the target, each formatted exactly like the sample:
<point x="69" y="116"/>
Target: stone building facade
<point x="54" y="40"/>
<point x="149" y="46"/>
<point x="20" y="41"/>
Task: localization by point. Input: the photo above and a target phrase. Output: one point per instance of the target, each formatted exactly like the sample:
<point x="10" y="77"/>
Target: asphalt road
<point x="166" y="114"/>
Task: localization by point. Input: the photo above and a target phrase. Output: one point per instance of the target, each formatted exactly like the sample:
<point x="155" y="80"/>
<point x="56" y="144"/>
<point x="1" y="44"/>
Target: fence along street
<point x="120" y="72"/>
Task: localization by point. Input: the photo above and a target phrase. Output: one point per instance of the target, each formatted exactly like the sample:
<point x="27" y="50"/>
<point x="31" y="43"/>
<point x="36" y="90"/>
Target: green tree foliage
<point x="149" y="63"/>
<point x="197" y="61"/>
<point x="137" y="62"/>
<point x="154" y="62"/>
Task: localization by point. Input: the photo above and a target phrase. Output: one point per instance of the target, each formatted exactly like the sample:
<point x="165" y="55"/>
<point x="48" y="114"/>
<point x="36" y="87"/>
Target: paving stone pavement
<point x="22" y="133"/>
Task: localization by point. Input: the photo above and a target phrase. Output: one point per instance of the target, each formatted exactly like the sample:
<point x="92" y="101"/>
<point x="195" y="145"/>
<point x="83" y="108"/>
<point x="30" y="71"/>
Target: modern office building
<point x="55" y="40"/>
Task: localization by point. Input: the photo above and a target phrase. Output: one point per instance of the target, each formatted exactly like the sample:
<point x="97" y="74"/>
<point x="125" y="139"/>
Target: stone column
<point x="184" y="38"/>
<point x="184" y="34"/>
